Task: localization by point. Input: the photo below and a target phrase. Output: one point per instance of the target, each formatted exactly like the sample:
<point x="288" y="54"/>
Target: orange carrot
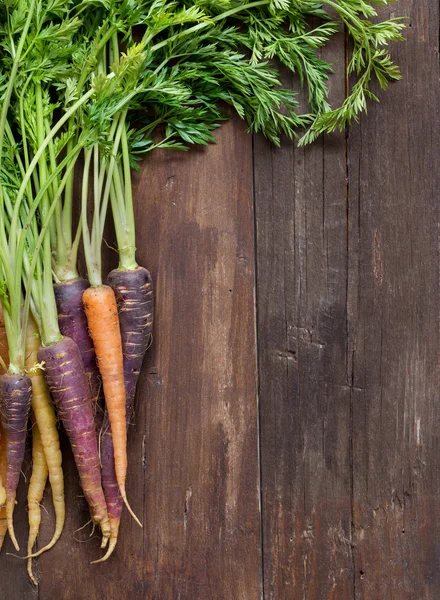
<point x="103" y="321"/>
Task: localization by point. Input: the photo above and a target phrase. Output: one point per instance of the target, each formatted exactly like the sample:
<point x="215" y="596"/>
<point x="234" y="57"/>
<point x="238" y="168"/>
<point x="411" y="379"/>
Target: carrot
<point x="2" y="467"/>
<point x="47" y="426"/>
<point x="15" y="394"/>
<point x="110" y="486"/>
<point x="3" y="521"/>
<point x="73" y="323"/>
<point x="102" y="318"/>
<point x="37" y="484"/>
<point x="68" y="384"/>
<point x="4" y="355"/>
<point x="134" y="294"/>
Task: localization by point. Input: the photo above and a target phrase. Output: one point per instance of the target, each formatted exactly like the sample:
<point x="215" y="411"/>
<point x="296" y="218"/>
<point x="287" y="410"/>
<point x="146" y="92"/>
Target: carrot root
<point x="73" y="324"/>
<point x="15" y="394"/>
<point x="67" y="381"/>
<point x="114" y="526"/>
<point x="134" y="296"/>
<point x="102" y="317"/>
<point x="37" y="484"/>
<point x="47" y="427"/>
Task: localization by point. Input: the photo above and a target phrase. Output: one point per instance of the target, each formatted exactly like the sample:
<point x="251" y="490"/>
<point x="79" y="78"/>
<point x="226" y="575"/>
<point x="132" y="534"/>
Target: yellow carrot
<point x="46" y="421"/>
<point x="35" y="492"/>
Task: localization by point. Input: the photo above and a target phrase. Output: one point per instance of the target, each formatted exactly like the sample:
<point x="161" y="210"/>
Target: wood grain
<point x="300" y="199"/>
<point x="347" y="289"/>
<point x="394" y="314"/>
<point x="201" y="446"/>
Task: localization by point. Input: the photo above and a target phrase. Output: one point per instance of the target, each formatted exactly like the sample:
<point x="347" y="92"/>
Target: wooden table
<point x="287" y="436"/>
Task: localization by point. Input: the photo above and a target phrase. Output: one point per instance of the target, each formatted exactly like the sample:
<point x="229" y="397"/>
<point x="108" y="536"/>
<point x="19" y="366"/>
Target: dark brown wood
<point x="301" y="208"/>
<point x="202" y="524"/>
<point x="347" y="289"/>
<point x="393" y="301"/>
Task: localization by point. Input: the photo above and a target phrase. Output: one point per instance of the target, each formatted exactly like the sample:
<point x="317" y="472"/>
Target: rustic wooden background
<point x="286" y="443"/>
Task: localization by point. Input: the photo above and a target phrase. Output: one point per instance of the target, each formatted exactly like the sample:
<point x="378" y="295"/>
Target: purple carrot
<point x="15" y="394"/>
<point x="110" y="486"/>
<point x="134" y="295"/>
<point x="67" y="381"/>
<point x="73" y="323"/>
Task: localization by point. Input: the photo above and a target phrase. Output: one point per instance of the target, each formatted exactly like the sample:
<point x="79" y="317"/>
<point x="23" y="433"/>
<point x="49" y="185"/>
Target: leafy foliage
<point x="192" y="56"/>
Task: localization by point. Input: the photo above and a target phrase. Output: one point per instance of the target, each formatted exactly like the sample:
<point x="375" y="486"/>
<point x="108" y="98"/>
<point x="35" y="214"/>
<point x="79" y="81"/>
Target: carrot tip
<point x="30" y="573"/>
<point x="111" y="547"/>
<point x="124" y="497"/>
<point x="10" y="505"/>
<point x="14" y="540"/>
<point x="51" y="544"/>
<point x="104" y="542"/>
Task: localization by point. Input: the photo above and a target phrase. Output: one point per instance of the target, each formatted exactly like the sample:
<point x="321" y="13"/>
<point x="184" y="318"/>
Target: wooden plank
<point x="393" y="314"/>
<point x="202" y="531"/>
<point x="300" y="198"/>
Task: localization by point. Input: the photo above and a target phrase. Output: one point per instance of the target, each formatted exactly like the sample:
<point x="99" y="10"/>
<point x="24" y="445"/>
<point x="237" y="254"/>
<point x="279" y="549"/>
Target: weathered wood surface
<point x="347" y="289"/>
<point x="393" y="309"/>
<point x="301" y="215"/>
<point x="325" y="484"/>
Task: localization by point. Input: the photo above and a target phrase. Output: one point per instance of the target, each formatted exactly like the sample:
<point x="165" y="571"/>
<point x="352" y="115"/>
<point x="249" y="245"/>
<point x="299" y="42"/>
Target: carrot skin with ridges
<point x="46" y="423"/>
<point x="73" y="324"/>
<point x="67" y="381"/>
<point x="134" y="296"/>
<point x="15" y="398"/>
<point x="109" y="482"/>
<point x="102" y="317"/>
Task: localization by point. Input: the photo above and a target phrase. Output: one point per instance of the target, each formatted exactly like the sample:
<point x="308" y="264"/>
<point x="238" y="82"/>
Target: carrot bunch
<point x="87" y="90"/>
